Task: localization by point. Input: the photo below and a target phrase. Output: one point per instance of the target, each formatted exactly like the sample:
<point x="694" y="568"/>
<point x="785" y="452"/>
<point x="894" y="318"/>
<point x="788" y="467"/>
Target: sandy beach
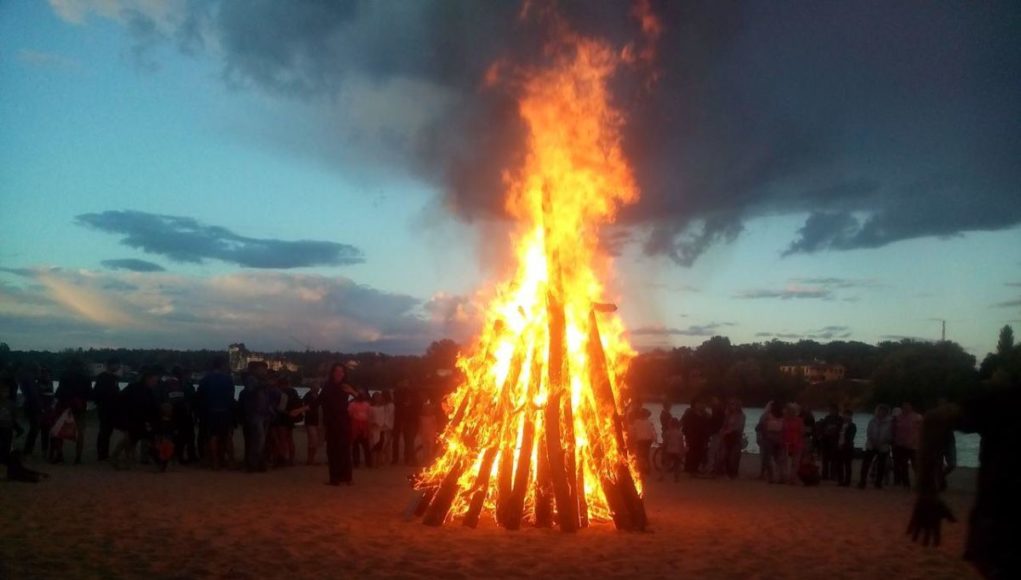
<point x="90" y="521"/>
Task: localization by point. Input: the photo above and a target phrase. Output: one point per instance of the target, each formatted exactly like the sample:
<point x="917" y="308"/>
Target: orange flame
<point x="537" y="428"/>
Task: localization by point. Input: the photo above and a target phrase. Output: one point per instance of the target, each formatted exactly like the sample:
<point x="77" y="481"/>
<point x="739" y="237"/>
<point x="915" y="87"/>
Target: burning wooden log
<point x="543" y="488"/>
<point x="481" y="488"/>
<point x="603" y="391"/>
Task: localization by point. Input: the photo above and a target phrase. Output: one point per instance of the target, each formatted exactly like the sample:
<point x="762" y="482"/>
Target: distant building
<point x="239" y="357"/>
<point x="814" y="372"/>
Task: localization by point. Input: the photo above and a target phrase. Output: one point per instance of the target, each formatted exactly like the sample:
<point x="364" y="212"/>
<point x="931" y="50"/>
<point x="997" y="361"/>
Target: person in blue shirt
<point x="216" y="411"/>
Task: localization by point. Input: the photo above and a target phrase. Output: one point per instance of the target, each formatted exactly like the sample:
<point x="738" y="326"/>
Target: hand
<point x="927" y="519"/>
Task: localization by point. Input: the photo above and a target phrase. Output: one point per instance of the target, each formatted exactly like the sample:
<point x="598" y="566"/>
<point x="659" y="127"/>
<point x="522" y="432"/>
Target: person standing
<point x="73" y="393"/>
<point x="695" y="426"/>
<point x="879" y="437"/>
<point x="32" y="407"/>
<point x="673" y="449"/>
<point x="135" y="409"/>
<point x="388" y="426"/>
<point x="793" y="441"/>
<point x="991" y="545"/>
<point x="105" y="391"/>
<point x="336" y="395"/>
<point x="361" y="430"/>
<point x="428" y="429"/>
<point x="643" y="435"/>
<point x="829" y="436"/>
<point x="289" y="411"/>
<point x="906" y="433"/>
<point x="216" y="411"/>
<point x="181" y="396"/>
<point x="714" y="459"/>
<point x="845" y="448"/>
<point x="665" y="417"/>
<point x="256" y="415"/>
<point x="731" y="437"/>
<point x="313" y="423"/>
<point x="377" y="418"/>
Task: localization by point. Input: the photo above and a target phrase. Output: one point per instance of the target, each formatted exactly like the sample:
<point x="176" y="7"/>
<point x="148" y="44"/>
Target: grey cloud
<point x="133" y="265"/>
<point x="786" y="294"/>
<point x="824" y="109"/>
<point x="184" y="239"/>
<point x="709" y="329"/>
<point x="825" y="333"/>
<point x="1008" y="303"/>
<point x="833" y="282"/>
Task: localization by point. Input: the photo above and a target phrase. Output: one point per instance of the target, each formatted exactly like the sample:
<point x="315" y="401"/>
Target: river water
<point x="967" y="443"/>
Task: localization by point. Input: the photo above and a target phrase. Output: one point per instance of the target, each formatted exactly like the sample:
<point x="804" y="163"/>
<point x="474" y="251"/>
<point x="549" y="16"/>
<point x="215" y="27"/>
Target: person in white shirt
<point x="644" y="435"/>
<point x="377" y="419"/>
<point x="386" y="434"/>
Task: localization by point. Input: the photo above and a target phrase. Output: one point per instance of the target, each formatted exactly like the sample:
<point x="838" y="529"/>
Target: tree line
<point x="921" y="372"/>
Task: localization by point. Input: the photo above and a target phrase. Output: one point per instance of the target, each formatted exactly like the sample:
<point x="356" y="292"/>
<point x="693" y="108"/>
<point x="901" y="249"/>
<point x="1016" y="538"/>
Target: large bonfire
<point x="537" y="434"/>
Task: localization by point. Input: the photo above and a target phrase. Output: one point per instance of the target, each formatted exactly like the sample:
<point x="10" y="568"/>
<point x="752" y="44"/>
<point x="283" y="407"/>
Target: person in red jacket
<point x="793" y="441"/>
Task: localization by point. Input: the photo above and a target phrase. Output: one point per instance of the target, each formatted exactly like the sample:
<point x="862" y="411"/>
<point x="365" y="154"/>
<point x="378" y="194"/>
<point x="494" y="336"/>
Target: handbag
<point x="65" y="428"/>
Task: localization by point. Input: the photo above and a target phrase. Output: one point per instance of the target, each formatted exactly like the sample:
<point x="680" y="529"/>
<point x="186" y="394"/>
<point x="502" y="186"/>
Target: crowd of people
<point x="160" y="418"/>
<point x="708" y="440"/>
<point x="165" y="417"/>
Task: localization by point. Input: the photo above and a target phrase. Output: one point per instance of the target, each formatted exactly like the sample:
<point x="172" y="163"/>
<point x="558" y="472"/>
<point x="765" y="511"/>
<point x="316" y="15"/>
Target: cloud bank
<point x="262" y="309"/>
<point x="184" y="239"/>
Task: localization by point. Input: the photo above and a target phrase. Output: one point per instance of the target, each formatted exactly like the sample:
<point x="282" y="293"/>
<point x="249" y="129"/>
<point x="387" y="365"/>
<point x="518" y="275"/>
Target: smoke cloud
<point x="878" y="121"/>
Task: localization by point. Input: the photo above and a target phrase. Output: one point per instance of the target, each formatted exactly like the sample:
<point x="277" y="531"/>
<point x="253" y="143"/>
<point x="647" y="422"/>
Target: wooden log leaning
<point x="543" y="488"/>
<point x="567" y="503"/>
<point x="582" y="500"/>
<point x="445" y="494"/>
<point x="506" y="465"/>
<point x="504" y="483"/>
<point x="481" y="488"/>
<point x="603" y="392"/>
<point x="523" y="475"/>
<point x="423" y="502"/>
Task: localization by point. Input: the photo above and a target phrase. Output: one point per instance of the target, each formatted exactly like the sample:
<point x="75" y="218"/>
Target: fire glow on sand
<point x="537" y="433"/>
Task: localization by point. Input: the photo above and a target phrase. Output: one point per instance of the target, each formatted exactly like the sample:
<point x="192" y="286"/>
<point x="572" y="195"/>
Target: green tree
<point x="1006" y="343"/>
<point x="923" y="372"/>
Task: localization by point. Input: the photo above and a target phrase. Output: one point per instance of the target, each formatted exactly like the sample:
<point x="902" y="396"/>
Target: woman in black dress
<point x="333" y="402"/>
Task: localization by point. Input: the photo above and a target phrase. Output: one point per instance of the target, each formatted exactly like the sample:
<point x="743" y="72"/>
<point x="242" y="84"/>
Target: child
<point x="808" y="471"/>
<point x="793" y="441"/>
<point x="163" y="432"/>
<point x="673" y="449"/>
<point x="313" y="431"/>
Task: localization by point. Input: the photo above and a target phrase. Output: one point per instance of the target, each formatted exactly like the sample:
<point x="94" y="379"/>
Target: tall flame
<point x="537" y="433"/>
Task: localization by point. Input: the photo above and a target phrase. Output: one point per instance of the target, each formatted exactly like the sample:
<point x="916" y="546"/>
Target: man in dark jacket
<point x="695" y="424"/>
<point x="256" y="414"/>
<point x="991" y="544"/>
<point x="104" y="393"/>
<point x="845" y="448"/>
<point x="829" y="433"/>
<point x="135" y="409"/>
<point x="32" y="407"/>
<point x="74" y="392"/>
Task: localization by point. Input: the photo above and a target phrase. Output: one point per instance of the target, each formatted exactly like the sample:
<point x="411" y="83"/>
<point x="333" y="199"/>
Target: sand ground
<point x="90" y="521"/>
